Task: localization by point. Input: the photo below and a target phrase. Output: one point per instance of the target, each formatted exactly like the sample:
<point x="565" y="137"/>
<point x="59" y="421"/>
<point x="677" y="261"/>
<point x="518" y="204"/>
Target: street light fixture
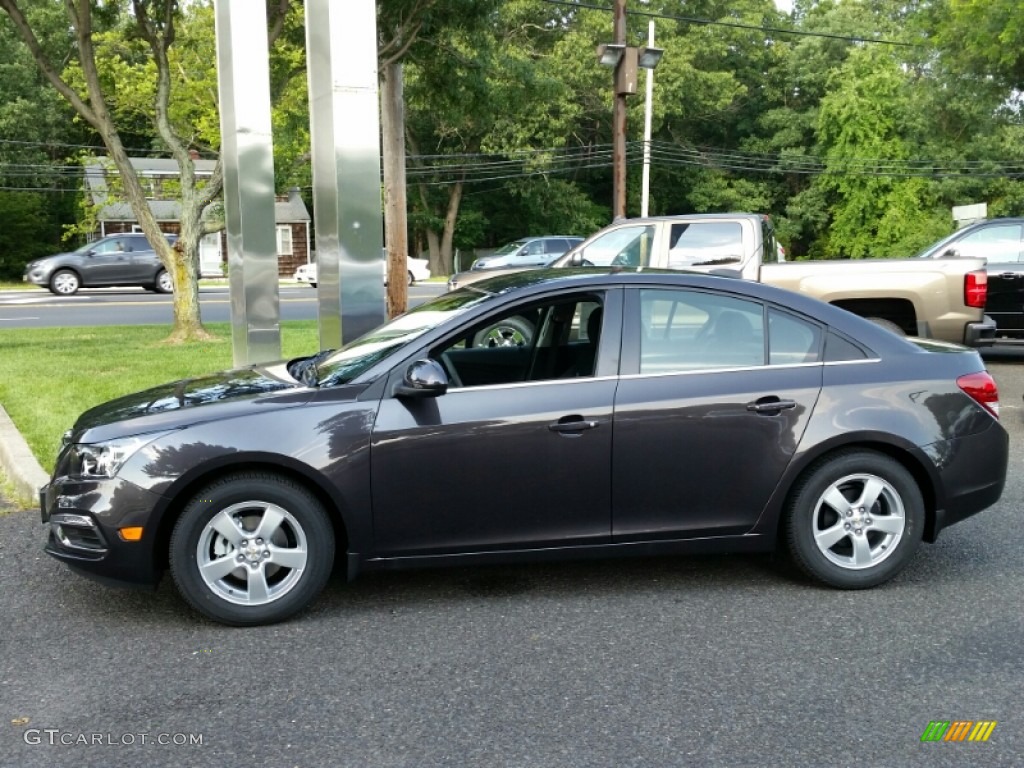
<point x="649" y="56"/>
<point x="609" y="54"/>
<point x="625" y="60"/>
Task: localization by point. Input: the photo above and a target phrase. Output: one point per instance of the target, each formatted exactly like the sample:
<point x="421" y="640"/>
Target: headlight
<point x="103" y="460"/>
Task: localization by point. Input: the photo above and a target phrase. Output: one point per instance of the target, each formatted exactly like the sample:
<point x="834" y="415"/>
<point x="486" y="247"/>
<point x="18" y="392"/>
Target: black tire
<point x="412" y="280"/>
<point x="312" y="285"/>
<point x="162" y="282"/>
<point x="881" y="321"/>
<point x="65" y="282"/>
<point x="249" y="580"/>
<point x="510" y="332"/>
<point x="849" y="545"/>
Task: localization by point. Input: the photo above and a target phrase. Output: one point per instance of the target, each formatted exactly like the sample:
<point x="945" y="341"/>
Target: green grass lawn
<point x="48" y="376"/>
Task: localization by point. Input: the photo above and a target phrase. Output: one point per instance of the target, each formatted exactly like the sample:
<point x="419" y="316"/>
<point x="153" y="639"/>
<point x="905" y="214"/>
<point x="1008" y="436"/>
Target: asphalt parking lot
<point x="730" y="661"/>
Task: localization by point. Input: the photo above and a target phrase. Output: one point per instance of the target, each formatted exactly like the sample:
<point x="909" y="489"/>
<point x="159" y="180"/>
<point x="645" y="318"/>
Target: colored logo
<point x="958" y="730"/>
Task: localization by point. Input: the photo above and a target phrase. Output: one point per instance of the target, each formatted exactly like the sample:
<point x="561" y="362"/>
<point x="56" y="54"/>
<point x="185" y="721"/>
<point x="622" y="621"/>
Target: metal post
<point x="243" y="69"/>
<point x="341" y="50"/>
<point x="619" y="118"/>
<point x="645" y="187"/>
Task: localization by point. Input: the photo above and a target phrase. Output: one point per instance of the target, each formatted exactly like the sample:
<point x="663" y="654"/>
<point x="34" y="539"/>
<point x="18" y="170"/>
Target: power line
<point x="735" y="24"/>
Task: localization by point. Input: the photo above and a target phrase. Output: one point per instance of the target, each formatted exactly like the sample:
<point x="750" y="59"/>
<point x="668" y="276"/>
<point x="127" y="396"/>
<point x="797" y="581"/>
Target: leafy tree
<point x="141" y="63"/>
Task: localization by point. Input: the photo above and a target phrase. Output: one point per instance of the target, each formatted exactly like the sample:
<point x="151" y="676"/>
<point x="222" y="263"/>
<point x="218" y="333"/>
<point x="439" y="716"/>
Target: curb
<point x="21" y="467"/>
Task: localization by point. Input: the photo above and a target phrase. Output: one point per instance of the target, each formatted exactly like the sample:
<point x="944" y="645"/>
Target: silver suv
<point x="528" y="252"/>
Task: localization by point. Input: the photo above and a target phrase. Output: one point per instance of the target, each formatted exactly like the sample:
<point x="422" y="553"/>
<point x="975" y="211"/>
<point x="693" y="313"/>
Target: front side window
<point x="554" y="339"/>
<point x="995" y="243"/>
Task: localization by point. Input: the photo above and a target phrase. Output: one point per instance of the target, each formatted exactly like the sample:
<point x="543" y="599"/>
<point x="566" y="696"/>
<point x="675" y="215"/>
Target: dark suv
<point x="124" y="259"/>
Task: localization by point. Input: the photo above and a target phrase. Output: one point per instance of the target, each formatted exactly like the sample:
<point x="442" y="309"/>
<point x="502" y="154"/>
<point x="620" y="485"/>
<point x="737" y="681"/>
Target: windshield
<point x="937" y="249"/>
<point x="345" y="364"/>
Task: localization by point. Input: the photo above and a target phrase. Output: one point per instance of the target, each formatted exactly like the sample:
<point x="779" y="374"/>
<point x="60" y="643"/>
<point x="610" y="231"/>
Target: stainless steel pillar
<point x="243" y="73"/>
<point x="341" y="59"/>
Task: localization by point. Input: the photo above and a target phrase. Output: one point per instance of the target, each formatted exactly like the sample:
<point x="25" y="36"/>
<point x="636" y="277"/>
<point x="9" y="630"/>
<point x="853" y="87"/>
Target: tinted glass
<point x="692" y="330"/>
<point x="554" y="339"/>
<point x="792" y="340"/>
<point x="358" y="356"/>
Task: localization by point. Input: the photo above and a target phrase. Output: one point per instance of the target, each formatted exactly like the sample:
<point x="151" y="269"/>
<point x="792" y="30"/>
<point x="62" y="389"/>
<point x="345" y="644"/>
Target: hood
<point x="187" y="401"/>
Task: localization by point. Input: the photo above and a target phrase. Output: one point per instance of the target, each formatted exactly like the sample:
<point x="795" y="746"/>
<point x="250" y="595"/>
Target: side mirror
<point x="423" y="378"/>
<point x="576" y="260"/>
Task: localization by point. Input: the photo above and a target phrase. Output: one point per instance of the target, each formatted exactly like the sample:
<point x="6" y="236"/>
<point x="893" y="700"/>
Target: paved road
<point x="713" y="661"/>
<point x="134" y="306"/>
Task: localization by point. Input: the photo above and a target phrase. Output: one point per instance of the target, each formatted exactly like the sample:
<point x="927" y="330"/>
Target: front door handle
<point x="770" y="405"/>
<point x="572" y="425"/>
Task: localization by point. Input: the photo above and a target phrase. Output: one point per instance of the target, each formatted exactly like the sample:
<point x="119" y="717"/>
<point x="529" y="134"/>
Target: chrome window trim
<point x="523" y="384"/>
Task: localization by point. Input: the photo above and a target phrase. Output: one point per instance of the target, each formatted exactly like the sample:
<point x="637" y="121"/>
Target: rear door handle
<point x="572" y="425"/>
<point x="770" y="404"/>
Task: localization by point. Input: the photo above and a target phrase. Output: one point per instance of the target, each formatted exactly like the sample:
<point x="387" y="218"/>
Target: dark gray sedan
<point x="539" y="415"/>
<point x="125" y="259"/>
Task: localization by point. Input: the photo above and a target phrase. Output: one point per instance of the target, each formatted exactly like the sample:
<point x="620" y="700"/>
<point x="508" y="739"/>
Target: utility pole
<point x="645" y="184"/>
<point x="619" y="113"/>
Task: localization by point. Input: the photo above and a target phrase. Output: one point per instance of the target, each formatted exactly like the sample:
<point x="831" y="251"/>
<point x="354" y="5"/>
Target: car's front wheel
<point x="163" y="282"/>
<point x="252" y="548"/>
<point x="854" y="520"/>
<point x="65" y="283"/>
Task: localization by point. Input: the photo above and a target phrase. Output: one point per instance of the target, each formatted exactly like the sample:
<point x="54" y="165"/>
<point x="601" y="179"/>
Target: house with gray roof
<point x="159" y="178"/>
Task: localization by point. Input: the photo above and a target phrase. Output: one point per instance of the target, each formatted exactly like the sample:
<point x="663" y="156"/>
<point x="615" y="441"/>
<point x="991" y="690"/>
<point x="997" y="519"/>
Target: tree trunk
<point x="395" y="216"/>
<point x="448" y="235"/>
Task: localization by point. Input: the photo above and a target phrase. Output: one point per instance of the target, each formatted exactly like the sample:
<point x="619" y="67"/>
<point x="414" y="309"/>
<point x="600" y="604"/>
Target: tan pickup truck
<point x="935" y="298"/>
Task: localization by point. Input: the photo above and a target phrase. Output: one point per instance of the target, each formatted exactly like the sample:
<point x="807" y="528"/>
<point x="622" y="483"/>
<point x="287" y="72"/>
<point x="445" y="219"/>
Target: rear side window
<point x="684" y="330"/>
<point x="838" y="349"/>
<point x="705" y="243"/>
<point x="792" y="340"/>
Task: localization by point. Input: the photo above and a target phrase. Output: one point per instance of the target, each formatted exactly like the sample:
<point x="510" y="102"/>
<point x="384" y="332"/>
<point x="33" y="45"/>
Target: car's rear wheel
<point x="163" y="282"/>
<point x="65" y="282"/>
<point x="412" y="280"/>
<point x="251" y="549"/>
<point x="854" y="520"/>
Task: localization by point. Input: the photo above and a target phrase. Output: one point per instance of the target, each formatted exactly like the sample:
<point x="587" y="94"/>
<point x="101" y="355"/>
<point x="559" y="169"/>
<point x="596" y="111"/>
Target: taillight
<point x="981" y="388"/>
<point x="976" y="288"/>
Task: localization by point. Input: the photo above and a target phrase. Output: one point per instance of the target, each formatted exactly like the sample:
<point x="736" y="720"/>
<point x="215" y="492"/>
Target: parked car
<point x="644" y="412"/>
<point x="1000" y="242"/>
<point x="126" y="259"/>
<point x="943" y="299"/>
<point x="528" y="252"/>
<point x="419" y="269"/>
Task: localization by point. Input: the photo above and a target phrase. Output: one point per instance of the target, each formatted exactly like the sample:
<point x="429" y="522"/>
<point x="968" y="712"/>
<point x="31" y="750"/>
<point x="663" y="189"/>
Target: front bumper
<point x="84" y="529"/>
<point x="37" y="276"/>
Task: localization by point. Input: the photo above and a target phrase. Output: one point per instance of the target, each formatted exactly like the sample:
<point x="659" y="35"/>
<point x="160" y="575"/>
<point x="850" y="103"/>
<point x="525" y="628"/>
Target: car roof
<point x="542" y="281"/>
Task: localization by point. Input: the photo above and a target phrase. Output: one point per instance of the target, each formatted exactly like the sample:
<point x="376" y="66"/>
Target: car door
<point x="143" y="259"/>
<point x="107" y="262"/>
<point x="517" y="453"/>
<point x="707" y="415"/>
<point x="530" y="255"/>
